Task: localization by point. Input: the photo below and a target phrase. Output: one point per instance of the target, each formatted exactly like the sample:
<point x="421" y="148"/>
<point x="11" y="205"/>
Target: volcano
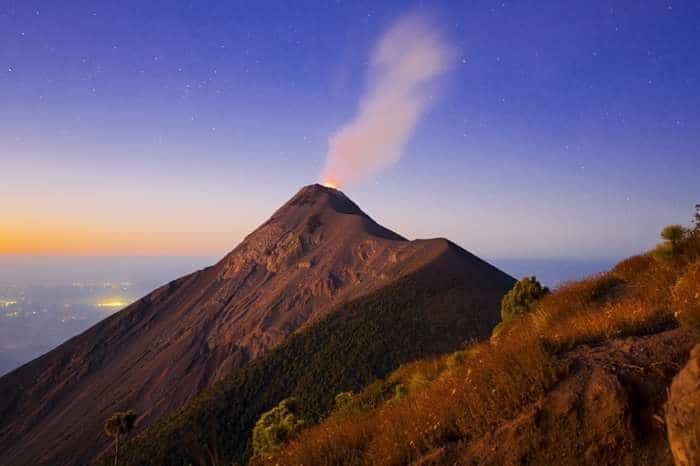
<point x="316" y="253"/>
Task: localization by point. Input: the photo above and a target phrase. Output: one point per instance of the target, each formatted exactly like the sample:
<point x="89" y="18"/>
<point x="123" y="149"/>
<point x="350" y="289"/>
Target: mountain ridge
<point x="361" y="341"/>
<point x="317" y="251"/>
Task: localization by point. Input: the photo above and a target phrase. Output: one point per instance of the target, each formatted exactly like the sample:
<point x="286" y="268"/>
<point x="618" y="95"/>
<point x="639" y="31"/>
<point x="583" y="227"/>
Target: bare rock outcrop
<point x="683" y="413"/>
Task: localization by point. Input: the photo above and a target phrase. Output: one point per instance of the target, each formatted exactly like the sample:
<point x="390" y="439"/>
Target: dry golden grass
<point x="452" y="405"/>
<point x="686" y="296"/>
<point x="462" y="398"/>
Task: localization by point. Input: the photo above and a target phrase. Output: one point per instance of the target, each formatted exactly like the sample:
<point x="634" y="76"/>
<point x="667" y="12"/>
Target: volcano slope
<point x="318" y="253"/>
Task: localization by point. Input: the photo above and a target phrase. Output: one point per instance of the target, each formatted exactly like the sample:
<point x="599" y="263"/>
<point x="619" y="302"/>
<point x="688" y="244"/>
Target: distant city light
<point x="112" y="303"/>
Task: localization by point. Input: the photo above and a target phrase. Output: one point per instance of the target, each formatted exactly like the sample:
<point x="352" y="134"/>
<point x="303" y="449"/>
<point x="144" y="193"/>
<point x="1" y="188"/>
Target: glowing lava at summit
<point x="330" y="183"/>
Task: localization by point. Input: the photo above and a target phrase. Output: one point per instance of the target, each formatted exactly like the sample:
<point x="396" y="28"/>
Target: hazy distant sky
<point x="564" y="128"/>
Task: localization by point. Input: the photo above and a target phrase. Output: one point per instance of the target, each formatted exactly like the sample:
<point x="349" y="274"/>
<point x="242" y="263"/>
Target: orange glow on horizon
<point x="78" y="240"/>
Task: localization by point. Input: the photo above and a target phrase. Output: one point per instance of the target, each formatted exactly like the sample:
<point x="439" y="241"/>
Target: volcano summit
<point x="317" y="254"/>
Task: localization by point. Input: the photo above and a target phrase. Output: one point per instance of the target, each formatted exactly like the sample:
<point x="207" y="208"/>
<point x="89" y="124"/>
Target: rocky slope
<point x="611" y="404"/>
<point x="316" y="252"/>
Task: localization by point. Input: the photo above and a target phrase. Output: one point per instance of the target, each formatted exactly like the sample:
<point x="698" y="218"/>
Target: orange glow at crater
<point x="330" y="183"/>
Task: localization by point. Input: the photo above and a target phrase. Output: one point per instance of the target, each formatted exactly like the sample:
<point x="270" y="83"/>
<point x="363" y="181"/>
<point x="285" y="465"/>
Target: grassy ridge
<point x="360" y="342"/>
<point x="462" y="397"/>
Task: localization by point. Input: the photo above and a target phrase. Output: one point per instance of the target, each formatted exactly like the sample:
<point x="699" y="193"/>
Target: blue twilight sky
<point x="565" y="129"/>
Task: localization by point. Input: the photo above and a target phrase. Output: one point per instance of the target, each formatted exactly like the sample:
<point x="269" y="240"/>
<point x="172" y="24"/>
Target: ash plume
<point x="403" y="66"/>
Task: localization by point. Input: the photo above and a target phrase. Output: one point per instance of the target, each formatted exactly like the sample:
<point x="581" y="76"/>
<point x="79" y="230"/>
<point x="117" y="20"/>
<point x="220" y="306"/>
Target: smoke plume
<point x="405" y="62"/>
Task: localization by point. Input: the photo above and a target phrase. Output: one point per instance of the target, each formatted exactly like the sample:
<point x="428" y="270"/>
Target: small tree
<point x="455" y="359"/>
<point x="521" y="298"/>
<point x="276" y="427"/>
<point x="119" y="424"/>
<point x="673" y="236"/>
<point x="697" y="217"/>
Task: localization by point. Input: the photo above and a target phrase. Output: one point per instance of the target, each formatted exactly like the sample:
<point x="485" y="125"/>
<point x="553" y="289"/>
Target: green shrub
<point x="663" y="251"/>
<point x="522" y="298"/>
<point x="457" y="358"/>
<point x="673" y="236"/>
<point x="343" y="400"/>
<point x="345" y="404"/>
<point x="276" y="427"/>
<point x="400" y="391"/>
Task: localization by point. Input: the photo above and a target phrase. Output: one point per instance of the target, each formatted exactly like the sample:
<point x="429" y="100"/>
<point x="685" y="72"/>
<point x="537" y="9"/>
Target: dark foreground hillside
<point x="583" y="378"/>
<point x="436" y="309"/>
